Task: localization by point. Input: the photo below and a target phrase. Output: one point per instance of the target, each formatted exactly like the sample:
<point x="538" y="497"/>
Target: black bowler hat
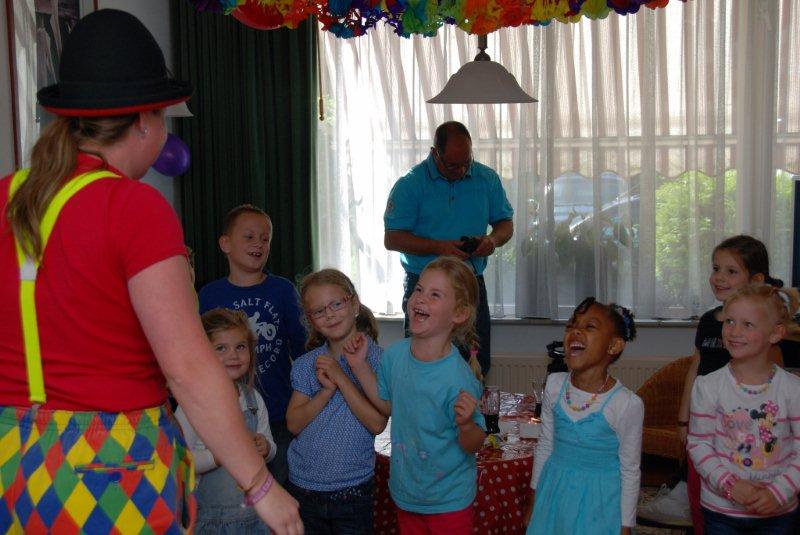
<point x="111" y="65"/>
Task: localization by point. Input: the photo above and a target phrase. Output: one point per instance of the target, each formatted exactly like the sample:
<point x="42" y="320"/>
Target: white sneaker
<point x="670" y="506"/>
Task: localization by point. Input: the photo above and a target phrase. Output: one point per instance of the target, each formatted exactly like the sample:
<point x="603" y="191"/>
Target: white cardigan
<point x="203" y="459"/>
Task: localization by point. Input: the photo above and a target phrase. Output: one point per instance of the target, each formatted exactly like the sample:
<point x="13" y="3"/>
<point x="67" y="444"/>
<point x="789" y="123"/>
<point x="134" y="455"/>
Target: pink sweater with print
<point x="753" y="436"/>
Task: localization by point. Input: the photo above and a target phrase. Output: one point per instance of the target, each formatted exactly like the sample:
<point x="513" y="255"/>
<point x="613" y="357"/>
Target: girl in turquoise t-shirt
<point x="432" y="396"/>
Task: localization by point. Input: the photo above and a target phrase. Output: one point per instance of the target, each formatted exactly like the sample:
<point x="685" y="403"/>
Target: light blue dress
<point x="580" y="488"/>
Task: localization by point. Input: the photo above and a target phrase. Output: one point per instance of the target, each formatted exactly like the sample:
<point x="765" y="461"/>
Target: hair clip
<point x="788" y="301"/>
<point x="627" y="319"/>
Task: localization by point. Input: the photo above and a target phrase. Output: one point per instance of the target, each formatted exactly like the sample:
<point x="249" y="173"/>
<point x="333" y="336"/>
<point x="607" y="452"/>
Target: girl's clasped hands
<point x="755" y="497"/>
<point x="262" y="444"/>
<point x="329" y="373"/>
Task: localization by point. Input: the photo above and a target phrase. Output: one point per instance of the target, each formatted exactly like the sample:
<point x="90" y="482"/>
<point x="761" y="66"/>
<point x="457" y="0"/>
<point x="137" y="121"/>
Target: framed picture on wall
<point x="37" y="30"/>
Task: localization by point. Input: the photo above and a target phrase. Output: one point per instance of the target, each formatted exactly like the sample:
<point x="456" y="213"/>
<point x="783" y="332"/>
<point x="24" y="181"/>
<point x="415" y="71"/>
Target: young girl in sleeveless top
<point x="586" y="466"/>
<point x="219" y="499"/>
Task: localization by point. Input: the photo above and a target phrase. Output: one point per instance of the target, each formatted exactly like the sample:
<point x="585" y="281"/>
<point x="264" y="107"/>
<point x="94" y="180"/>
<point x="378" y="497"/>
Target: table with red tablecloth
<point x="504" y="477"/>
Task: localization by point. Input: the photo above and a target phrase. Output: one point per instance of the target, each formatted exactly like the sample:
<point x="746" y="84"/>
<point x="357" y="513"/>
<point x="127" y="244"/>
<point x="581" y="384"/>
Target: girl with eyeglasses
<point x="332" y="458"/>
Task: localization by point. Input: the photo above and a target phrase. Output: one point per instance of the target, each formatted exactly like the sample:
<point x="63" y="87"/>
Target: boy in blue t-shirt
<point x="273" y="309"/>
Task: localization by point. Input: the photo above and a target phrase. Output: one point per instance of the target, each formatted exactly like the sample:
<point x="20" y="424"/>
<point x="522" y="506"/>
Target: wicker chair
<point x="661" y="394"/>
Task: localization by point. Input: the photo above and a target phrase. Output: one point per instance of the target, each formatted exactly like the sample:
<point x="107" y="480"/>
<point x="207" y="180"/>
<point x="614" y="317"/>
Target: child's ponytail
<point x="772" y="281"/>
<point x="465" y="286"/>
<point x="473" y="363"/>
<point x="366" y="323"/>
<point x="315" y="339"/>
<point x="624" y="319"/>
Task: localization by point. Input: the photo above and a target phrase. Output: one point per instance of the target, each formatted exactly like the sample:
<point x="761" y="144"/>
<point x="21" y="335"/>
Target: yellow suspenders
<point x="28" y="268"/>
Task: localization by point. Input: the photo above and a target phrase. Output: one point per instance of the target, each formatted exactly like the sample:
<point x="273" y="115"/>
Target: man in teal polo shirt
<point x="442" y="199"/>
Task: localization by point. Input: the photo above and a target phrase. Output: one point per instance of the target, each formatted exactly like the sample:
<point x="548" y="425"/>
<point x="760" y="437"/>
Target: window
<point x="646" y="149"/>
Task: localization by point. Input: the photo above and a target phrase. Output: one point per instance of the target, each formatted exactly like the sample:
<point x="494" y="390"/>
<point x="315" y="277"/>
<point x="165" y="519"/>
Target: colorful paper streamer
<point x="353" y="18"/>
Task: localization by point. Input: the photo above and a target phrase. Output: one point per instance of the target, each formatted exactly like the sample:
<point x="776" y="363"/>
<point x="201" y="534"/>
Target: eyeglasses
<point x="333" y="306"/>
<point x="454" y="167"/>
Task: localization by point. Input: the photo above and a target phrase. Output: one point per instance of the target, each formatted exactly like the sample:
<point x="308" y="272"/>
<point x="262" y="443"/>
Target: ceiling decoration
<point x="353" y="18"/>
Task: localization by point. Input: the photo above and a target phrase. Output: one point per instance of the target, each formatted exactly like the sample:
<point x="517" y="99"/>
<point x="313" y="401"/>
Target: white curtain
<point x="656" y="135"/>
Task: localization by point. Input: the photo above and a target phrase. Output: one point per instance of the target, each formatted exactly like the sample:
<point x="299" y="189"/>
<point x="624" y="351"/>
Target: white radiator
<point x="514" y="373"/>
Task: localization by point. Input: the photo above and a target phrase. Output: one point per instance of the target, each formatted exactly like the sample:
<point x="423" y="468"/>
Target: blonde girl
<point x="431" y="394"/>
<point x="332" y="458"/>
<point x="219" y="499"/>
<point x="745" y="420"/>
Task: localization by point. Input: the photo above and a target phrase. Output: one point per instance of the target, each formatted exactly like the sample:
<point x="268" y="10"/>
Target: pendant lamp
<point x="482" y="81"/>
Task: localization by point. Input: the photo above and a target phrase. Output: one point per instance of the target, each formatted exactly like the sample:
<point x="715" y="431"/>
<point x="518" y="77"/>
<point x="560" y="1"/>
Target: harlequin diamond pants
<point x="94" y="472"/>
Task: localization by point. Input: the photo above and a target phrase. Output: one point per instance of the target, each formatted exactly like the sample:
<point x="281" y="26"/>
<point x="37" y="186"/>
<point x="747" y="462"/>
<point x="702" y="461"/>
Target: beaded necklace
<point x="755" y="391"/>
<point x="592" y="400"/>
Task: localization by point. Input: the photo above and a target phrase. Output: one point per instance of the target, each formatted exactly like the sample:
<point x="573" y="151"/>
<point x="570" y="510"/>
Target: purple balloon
<point x="174" y="159"/>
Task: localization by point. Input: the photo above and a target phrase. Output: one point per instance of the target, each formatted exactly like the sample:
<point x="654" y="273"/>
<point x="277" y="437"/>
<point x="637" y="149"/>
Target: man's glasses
<point x="454" y="167"/>
<point x="333" y="306"/>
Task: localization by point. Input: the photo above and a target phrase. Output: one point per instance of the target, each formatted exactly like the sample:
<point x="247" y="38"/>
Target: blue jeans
<point x="719" y="524"/>
<point x="342" y="512"/>
<point x="483" y="324"/>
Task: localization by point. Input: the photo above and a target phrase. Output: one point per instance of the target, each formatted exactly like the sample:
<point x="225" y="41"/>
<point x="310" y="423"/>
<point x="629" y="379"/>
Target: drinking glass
<point x="491" y="408"/>
<point x="512" y="437"/>
<point x="538" y="395"/>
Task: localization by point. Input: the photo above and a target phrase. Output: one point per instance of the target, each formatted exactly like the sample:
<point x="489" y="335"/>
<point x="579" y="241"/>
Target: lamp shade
<point x="482" y="81"/>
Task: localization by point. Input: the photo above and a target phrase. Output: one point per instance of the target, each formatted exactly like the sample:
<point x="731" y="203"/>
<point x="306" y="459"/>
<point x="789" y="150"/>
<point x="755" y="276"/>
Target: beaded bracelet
<point x="727" y="485"/>
<point x="252" y="498"/>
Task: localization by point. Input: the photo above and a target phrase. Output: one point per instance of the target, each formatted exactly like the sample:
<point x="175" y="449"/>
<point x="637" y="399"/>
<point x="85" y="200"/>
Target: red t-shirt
<point x="94" y="353"/>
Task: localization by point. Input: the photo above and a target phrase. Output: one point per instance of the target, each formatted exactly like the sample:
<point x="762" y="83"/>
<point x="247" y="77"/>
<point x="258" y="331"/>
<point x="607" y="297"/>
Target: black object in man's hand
<point x="469" y="244"/>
